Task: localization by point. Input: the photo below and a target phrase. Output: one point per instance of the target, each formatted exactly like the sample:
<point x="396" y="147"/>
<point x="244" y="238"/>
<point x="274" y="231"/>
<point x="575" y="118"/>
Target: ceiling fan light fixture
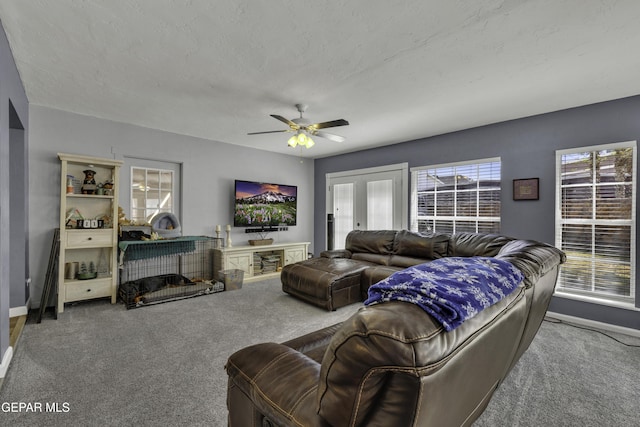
<point x="310" y="142"/>
<point x="303" y="129"/>
<point x="293" y="141"/>
<point x="302" y="139"/>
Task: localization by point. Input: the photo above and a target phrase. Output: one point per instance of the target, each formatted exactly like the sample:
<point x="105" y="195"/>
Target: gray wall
<point x="11" y="92"/>
<point x="19" y="217"/>
<point x="527" y="149"/>
<point x="208" y="172"/>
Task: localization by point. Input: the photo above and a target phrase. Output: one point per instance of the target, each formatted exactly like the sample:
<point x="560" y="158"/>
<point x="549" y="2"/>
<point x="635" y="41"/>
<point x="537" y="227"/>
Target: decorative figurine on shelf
<point x="108" y="187"/>
<point x="69" y="184"/>
<point x="87" y="273"/>
<point x="89" y="183"/>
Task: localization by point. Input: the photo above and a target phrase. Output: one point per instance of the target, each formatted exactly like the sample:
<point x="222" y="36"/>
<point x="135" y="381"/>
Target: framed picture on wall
<point x="526" y="189"/>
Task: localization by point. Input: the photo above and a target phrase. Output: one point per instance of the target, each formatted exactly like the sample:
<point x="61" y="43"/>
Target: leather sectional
<point x="342" y="277"/>
<point x="391" y="364"/>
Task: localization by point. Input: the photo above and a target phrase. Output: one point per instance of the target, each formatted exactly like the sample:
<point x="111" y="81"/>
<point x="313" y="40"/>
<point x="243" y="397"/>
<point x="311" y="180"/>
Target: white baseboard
<point x="6" y="359"/>
<point x="18" y="311"/>
<point x="593" y="324"/>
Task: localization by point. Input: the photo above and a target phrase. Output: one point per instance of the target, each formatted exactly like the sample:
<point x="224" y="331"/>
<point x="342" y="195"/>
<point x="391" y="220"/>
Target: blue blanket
<point x="451" y="289"/>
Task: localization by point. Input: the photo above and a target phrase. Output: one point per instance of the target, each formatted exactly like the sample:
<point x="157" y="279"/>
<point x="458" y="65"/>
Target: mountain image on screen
<point x="263" y="204"/>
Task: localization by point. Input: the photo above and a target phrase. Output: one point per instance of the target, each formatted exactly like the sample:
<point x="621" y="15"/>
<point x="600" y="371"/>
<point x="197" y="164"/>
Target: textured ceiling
<point x="397" y="70"/>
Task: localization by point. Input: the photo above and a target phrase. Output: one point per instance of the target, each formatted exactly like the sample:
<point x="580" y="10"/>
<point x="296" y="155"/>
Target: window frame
<point x="160" y="171"/>
<point x="415" y="218"/>
<point x="586" y="295"/>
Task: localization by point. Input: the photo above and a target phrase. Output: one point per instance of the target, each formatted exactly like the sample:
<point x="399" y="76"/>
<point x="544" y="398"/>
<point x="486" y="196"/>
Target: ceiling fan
<point x="304" y="129"/>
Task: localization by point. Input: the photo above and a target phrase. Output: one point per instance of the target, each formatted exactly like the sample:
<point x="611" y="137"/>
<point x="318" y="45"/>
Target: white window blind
<point x="457" y="197"/>
<point x="595" y="220"/>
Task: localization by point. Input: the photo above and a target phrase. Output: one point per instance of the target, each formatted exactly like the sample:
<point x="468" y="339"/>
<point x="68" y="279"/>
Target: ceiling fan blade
<point x="329" y="136"/>
<point x="331" y="124"/>
<point x="269" y="131"/>
<point x="291" y="124"/>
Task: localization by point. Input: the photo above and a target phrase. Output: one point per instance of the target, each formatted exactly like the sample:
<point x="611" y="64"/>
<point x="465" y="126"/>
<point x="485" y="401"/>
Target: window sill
<point x="596" y="300"/>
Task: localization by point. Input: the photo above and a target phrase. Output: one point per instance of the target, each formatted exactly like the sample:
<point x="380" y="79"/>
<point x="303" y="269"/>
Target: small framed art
<point x="526" y="189"/>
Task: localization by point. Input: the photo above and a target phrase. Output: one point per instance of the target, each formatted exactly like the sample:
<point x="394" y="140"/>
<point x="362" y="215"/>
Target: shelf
<point x="88" y="196"/>
<point x="87" y="229"/>
<point x="88" y="245"/>
<point x="100" y="278"/>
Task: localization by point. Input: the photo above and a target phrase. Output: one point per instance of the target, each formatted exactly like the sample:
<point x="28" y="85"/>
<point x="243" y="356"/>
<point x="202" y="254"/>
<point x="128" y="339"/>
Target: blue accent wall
<point x="527" y="149"/>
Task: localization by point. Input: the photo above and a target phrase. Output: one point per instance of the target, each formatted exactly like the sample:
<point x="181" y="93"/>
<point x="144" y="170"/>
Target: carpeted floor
<point x="100" y="364"/>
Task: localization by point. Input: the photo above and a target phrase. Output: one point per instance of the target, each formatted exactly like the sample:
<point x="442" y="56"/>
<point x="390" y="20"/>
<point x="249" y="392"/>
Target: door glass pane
<point x="342" y="213"/>
<point x="380" y="205"/>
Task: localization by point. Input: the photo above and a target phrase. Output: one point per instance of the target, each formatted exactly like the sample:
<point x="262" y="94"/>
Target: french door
<point x="367" y="199"/>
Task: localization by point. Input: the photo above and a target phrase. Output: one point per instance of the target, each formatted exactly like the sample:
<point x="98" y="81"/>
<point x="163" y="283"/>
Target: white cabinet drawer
<point x="89" y="238"/>
<point x="87" y="289"/>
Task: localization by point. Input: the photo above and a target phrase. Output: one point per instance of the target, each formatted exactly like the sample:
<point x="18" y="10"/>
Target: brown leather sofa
<point x="391" y="364"/>
<point x="342" y="277"/>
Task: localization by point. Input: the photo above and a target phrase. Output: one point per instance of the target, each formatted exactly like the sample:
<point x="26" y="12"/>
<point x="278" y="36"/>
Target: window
<point x="456" y="197"/>
<point x="595" y="220"/>
<point x="151" y="193"/>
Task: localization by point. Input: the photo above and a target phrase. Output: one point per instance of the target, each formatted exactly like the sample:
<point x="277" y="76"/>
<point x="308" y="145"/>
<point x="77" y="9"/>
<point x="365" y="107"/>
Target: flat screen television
<point x="259" y="204"/>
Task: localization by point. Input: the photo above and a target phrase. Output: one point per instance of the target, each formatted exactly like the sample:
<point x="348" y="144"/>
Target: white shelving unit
<point x="257" y="262"/>
<point x="88" y="244"/>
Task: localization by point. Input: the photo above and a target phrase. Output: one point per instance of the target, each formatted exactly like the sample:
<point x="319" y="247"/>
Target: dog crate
<point x="165" y="270"/>
<point x="164" y="288"/>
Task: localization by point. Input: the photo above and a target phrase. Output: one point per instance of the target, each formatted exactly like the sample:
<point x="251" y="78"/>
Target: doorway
<point x="368" y="199"/>
<point x="18" y="216"/>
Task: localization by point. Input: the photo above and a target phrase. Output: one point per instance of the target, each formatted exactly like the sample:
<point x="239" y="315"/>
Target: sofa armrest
<point x="336" y="253"/>
<point x="280" y="382"/>
<point x="314" y="343"/>
<point x="534" y="259"/>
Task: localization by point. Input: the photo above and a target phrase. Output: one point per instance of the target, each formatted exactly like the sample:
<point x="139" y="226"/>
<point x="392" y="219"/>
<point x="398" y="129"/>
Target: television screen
<point x="261" y="204"/>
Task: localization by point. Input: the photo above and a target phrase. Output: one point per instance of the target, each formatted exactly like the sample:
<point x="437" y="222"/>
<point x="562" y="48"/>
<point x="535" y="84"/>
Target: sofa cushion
<point x="373" y="258"/>
<point x="373" y="275"/>
<point x="336" y="253"/>
<point x="419" y="245"/>
<point x="406" y="261"/>
<point x="375" y="242"/>
<point x="472" y="244"/>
